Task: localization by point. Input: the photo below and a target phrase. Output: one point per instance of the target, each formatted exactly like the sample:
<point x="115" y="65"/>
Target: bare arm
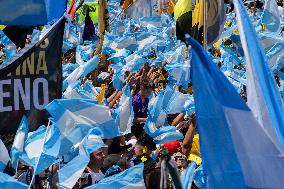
<point x="187" y="141"/>
<point x="178" y="119"/>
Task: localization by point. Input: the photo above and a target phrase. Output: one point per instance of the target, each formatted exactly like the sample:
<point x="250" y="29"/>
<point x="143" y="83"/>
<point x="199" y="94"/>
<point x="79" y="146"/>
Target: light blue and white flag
<point x="177" y="102"/>
<point x="91" y="142"/>
<point x="8" y="182"/>
<point x="155" y="21"/>
<point x="270" y="16"/>
<point x="262" y="93"/>
<point x="50" y="149"/>
<point x="128" y="42"/>
<point x="162" y="134"/>
<point x="275" y="55"/>
<point x="124" y="112"/>
<point x="118" y="79"/>
<point x="68" y="68"/>
<point x="71" y="172"/>
<point x="70" y="114"/>
<point x="81" y="71"/>
<point x="179" y="73"/>
<point x="139" y="9"/>
<point x="4" y="156"/>
<point x="145" y="39"/>
<point x="19" y="141"/>
<point x="268" y="39"/>
<point x="133" y="63"/>
<point x="229" y="133"/>
<point x="130" y="178"/>
<point x="188" y="175"/>
<point x="175" y="55"/>
<point x="155" y="110"/>
<point x="33" y="146"/>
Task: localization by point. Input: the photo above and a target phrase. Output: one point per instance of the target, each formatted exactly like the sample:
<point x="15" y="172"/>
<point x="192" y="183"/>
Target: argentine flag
<point x="71" y="114"/>
<point x="8" y="182"/>
<point x="72" y="171"/>
<point x="50" y="149"/>
<point x="270" y="16"/>
<point x="235" y="148"/>
<point x="4" y="156"/>
<point x="81" y="71"/>
<point x="19" y="141"/>
<point x="124" y="111"/>
<point x="128" y="179"/>
<point x="262" y="93"/>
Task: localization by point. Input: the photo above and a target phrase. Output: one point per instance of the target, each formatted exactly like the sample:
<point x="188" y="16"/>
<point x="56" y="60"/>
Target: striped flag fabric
<point x="81" y="72"/>
<point x="130" y="178"/>
<point x="187" y="177"/>
<point x="229" y="133"/>
<point x="33" y="146"/>
<point x="270" y="16"/>
<point x="162" y="134"/>
<point x="19" y="141"/>
<point x="263" y="96"/>
<point x="50" y="149"/>
<point x="4" y="156"/>
<point x="8" y="182"/>
<point x="124" y="112"/>
<point x="70" y="114"/>
<point x="139" y="9"/>
<point x="71" y="172"/>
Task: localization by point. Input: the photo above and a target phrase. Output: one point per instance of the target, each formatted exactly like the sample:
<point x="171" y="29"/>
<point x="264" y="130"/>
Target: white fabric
<point x="69" y="120"/>
<point x="19" y="141"/>
<point x="261" y="161"/>
<point x="4" y="155"/>
<point x="34" y="148"/>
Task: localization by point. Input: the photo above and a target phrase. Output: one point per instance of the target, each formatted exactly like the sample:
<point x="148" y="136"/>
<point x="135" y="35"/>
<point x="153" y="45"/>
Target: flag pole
<point x="204" y="24"/>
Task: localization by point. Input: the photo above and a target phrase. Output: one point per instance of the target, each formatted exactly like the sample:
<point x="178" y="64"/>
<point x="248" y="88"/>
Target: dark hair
<point x="145" y="84"/>
<point x="146" y="140"/>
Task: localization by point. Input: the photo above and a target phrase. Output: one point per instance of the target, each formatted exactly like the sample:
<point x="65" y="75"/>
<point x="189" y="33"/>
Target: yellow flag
<point x="198" y="14"/>
<point x="101" y="96"/>
<point x="182" y="6"/>
<point x="2" y="27"/>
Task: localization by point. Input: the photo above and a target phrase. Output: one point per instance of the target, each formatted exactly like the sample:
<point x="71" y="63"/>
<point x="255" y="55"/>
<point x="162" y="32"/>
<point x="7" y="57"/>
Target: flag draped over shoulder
<point x="31" y="12"/>
<point x="235" y="149"/>
<point x="263" y="96"/>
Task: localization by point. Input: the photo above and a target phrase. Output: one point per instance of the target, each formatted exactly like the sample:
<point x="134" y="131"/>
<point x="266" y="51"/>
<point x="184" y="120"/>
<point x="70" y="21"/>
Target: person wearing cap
<point x="93" y="174"/>
<point x="93" y="146"/>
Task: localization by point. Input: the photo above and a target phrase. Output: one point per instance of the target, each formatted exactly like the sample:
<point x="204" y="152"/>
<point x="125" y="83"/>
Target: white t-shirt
<point x="96" y="177"/>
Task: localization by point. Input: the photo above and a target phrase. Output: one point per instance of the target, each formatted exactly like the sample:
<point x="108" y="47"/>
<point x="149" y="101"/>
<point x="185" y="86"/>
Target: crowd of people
<point x="136" y="147"/>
